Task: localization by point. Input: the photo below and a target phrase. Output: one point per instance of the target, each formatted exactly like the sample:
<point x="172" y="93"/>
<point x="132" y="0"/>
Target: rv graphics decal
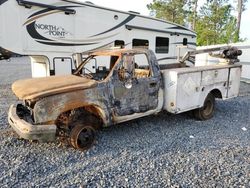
<point x="56" y="35"/>
<point x="2" y="1"/>
<point x="39" y="31"/>
<point x="56" y="32"/>
<point x="53" y="30"/>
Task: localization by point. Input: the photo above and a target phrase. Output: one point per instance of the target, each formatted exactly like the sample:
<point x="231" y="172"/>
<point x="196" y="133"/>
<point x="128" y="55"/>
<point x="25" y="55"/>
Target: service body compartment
<point x="186" y="88"/>
<point x="234" y="80"/>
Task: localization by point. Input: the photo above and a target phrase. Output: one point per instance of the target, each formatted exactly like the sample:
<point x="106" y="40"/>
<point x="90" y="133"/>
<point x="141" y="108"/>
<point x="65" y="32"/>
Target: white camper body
<point x="50" y="31"/>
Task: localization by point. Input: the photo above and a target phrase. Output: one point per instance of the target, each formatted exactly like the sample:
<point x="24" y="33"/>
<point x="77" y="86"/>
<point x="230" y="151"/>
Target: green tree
<point x="215" y="24"/>
<point x="182" y="12"/>
<point x="171" y="10"/>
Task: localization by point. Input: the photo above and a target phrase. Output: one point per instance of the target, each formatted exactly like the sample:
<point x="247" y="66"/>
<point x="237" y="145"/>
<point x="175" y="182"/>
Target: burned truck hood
<point x="41" y="87"/>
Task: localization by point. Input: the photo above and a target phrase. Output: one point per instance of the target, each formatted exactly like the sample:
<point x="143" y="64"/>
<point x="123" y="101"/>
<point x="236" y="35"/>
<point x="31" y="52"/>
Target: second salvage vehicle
<point x="115" y="86"/>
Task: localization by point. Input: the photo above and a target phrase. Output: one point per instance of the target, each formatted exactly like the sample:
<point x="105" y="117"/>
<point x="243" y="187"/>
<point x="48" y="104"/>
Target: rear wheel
<point x="207" y="111"/>
<point x="82" y="137"/>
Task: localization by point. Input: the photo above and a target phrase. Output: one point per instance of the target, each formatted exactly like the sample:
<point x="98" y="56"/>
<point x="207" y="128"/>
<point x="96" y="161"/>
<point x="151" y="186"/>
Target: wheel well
<point x="216" y="93"/>
<point x="91" y="114"/>
<point x="95" y="111"/>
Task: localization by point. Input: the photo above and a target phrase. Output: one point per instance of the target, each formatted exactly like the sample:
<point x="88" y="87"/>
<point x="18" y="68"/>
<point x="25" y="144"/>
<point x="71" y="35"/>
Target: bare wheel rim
<point x="82" y="137"/>
<point x="85" y="137"/>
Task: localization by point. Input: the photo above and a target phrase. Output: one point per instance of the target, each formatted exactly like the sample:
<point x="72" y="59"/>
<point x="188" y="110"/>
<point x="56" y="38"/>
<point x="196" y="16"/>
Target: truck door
<point x="134" y="87"/>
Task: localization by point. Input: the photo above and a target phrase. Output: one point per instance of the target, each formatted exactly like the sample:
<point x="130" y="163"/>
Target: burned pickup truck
<point x="114" y="86"/>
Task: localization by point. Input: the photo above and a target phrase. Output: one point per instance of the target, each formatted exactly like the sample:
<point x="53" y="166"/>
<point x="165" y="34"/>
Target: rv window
<point x="185" y="42"/>
<point x="119" y="43"/>
<point x="139" y="43"/>
<point x="162" y="45"/>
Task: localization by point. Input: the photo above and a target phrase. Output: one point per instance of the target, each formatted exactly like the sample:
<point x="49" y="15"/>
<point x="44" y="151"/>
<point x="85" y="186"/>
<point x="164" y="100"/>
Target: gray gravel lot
<point x="156" y="151"/>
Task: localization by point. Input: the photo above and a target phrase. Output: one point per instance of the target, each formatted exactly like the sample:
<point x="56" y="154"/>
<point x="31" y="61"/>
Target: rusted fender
<point x="49" y="108"/>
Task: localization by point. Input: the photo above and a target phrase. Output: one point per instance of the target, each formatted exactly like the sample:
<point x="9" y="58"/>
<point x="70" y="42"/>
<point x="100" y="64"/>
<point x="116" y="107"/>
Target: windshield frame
<point x="87" y="59"/>
<point x="80" y="67"/>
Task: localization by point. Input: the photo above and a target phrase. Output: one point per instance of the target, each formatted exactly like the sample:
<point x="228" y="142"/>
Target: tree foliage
<point x="171" y="10"/>
<point x="214" y="22"/>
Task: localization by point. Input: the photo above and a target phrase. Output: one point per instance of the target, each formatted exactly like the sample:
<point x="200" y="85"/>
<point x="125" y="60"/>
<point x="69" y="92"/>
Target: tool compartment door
<point x="188" y="91"/>
<point x="214" y="76"/>
<point x="234" y="82"/>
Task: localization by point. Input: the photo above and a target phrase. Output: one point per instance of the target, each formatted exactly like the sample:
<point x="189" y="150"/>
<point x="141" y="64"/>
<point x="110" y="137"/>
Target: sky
<point x="141" y="6"/>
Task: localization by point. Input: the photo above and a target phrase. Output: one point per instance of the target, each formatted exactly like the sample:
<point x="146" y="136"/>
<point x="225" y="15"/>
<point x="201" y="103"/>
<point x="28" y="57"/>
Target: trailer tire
<point x="207" y="111"/>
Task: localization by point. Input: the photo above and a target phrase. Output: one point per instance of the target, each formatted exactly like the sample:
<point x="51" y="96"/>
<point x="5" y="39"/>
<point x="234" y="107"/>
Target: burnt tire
<point x="207" y="111"/>
<point x="82" y="137"/>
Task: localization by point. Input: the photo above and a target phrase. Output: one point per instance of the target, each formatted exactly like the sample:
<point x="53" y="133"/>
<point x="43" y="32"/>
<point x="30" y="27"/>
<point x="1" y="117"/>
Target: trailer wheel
<point x="207" y="111"/>
<point x="82" y="137"/>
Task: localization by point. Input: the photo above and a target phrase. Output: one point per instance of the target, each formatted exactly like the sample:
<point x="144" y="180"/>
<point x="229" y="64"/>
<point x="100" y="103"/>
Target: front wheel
<point x="207" y="111"/>
<point x="82" y="137"/>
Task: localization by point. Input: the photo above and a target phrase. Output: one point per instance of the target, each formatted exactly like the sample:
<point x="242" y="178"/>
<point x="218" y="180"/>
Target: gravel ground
<point x="156" y="151"/>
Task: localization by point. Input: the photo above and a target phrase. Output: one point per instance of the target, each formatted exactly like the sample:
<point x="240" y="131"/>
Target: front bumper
<point x="43" y="133"/>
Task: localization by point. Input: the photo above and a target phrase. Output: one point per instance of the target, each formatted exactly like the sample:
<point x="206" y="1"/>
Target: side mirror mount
<point x="126" y="71"/>
<point x="126" y="77"/>
<point x="128" y="84"/>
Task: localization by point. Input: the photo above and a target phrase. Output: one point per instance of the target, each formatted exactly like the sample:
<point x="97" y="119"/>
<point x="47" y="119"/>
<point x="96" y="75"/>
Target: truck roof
<point x="118" y="52"/>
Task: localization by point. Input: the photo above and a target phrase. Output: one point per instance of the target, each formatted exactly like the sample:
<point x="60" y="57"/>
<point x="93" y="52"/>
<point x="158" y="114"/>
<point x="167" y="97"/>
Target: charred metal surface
<point x="47" y="86"/>
<point x="18" y="118"/>
<point x="140" y="98"/>
<point x="49" y="108"/>
<point x="143" y="96"/>
<point x="57" y="100"/>
<point x="24" y="113"/>
<point x="82" y="116"/>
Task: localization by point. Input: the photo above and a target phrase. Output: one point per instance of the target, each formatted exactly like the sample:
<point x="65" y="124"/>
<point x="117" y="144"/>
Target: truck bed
<point x="186" y="88"/>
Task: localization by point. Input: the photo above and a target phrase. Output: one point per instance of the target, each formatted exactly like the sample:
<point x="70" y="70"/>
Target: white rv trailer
<point x="50" y="31"/>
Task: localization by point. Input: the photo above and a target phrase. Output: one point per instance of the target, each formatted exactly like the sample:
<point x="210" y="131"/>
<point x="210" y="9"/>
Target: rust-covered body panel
<point x="49" y="99"/>
<point x="31" y="89"/>
<point x="49" y="108"/>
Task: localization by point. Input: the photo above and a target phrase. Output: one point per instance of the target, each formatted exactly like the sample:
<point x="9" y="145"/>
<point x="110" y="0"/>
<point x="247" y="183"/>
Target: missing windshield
<point x="96" y="67"/>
